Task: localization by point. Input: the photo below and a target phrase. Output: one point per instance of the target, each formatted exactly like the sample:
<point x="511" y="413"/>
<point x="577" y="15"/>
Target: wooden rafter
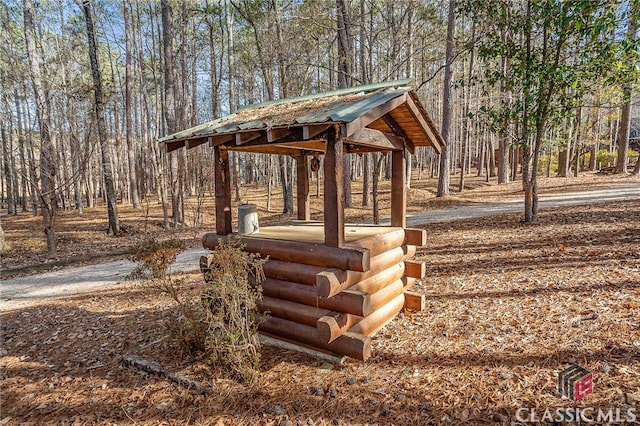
<point x="375" y="139"/>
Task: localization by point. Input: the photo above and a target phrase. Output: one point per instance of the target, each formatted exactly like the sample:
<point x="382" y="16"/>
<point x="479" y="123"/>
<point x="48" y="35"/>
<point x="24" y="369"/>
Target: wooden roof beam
<point x="216" y="140"/>
<point x="173" y="145"/>
<point x="310" y="132"/>
<point x="376" y="139"/>
<point x="350" y="128"/>
<point x="397" y="129"/>
<point x="244" y="137"/>
<point x="278" y="133"/>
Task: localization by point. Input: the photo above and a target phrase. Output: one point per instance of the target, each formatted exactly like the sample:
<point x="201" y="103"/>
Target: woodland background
<point x="86" y="89"/>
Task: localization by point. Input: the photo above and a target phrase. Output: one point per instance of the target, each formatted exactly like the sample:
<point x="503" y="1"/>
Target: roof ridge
<point x="356" y="89"/>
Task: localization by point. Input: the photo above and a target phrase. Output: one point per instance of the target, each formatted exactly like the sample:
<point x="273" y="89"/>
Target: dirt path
<point x="67" y="282"/>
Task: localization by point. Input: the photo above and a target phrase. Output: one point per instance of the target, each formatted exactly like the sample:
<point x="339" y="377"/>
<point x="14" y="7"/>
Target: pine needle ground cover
<point x="509" y="306"/>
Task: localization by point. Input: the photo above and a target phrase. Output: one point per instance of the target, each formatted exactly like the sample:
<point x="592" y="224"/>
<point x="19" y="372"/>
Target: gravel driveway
<point x="58" y="284"/>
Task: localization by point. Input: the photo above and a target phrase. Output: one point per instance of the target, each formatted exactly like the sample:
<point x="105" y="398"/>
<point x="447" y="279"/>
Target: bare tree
<point x="443" y="178"/>
<point x="128" y="116"/>
<point x="47" y="153"/>
<point x="107" y="168"/>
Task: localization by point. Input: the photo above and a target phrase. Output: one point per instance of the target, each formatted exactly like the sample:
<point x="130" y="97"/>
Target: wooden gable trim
<point x="426" y="128"/>
<point x="372" y="115"/>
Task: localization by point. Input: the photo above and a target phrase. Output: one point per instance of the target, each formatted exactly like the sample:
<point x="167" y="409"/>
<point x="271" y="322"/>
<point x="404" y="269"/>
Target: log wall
<point x="334" y="299"/>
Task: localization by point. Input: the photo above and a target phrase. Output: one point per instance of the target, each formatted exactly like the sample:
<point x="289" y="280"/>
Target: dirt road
<point x="67" y="282"/>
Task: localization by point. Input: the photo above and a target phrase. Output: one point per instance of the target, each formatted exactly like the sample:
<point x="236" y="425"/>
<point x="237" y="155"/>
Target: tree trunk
<point x="47" y="165"/>
<point x="377" y="165"/>
<point x="107" y="171"/>
<point x="344" y="81"/>
<point x="443" y="178"/>
<point x="128" y="77"/>
<point x="366" y="179"/>
<point x="465" y="118"/>
<point x="625" y="116"/>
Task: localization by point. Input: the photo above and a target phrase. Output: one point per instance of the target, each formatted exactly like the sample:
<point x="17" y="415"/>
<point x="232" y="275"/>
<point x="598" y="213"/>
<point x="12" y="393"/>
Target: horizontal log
<point x="333" y="325"/>
<point x="374" y="322"/>
<point x="380" y="243"/>
<point x="295" y="272"/>
<point x="282" y="343"/>
<point x="415" y="268"/>
<point x="415" y="237"/>
<point x="414" y="301"/>
<point x="353" y="345"/>
<point x="381" y="280"/>
<point x="292" y="311"/>
<point x="333" y="282"/>
<point x="355" y="259"/>
<point x="348" y="301"/>
<point x="408" y="282"/>
<point x="386" y="295"/>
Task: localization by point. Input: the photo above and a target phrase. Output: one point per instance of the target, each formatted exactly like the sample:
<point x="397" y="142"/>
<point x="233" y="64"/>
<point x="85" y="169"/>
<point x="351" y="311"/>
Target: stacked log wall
<point x="335" y="299"/>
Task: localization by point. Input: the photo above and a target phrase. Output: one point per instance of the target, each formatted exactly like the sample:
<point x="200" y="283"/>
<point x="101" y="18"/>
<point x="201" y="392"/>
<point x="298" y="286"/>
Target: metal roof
<point x="392" y="109"/>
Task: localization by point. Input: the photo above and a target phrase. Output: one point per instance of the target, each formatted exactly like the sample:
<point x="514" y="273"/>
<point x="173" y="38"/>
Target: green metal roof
<point x="339" y="106"/>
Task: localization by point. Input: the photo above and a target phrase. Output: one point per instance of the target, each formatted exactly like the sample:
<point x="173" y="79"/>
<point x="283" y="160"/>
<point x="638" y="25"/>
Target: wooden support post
<point x="398" y="189"/>
<point x="333" y="191"/>
<point x="374" y="322"/>
<point x="223" y="191"/>
<point x="302" y="185"/>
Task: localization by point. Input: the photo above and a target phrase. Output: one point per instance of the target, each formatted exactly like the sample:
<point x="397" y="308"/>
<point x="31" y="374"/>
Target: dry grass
<point x="508" y="306"/>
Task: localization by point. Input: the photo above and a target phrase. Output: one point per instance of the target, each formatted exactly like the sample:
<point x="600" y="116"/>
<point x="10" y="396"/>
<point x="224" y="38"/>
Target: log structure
<point x="329" y="286"/>
<point x="337" y="307"/>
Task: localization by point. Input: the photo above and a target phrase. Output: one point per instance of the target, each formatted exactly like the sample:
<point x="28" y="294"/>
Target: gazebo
<point x="329" y="285"/>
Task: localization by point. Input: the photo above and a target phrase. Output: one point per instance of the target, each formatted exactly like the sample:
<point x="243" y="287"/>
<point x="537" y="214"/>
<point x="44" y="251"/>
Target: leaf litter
<point x="506" y="312"/>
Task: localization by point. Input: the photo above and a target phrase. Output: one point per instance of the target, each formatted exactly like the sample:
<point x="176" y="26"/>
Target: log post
<point x="398" y="189"/>
<point x="333" y="191"/>
<point x="223" y="190"/>
<point x="302" y="184"/>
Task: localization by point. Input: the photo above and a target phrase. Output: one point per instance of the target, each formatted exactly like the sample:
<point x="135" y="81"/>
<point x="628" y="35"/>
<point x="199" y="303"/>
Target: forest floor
<point x="509" y="305"/>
